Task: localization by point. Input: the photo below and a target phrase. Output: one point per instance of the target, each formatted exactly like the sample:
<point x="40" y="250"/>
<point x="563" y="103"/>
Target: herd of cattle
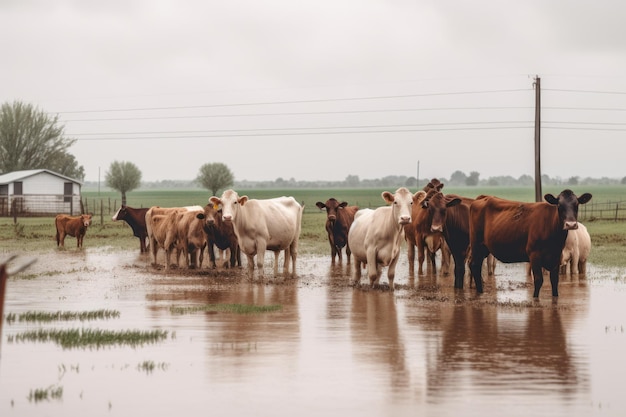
<point x="467" y="231"/>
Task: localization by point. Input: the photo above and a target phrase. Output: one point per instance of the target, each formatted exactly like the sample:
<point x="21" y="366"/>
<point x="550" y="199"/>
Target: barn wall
<point x="42" y="195"/>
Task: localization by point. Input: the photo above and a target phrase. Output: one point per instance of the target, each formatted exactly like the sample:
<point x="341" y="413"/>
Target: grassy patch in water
<point x="41" y="394"/>
<point x="45" y="316"/>
<point x="227" y="308"/>
<point x="91" y="338"/>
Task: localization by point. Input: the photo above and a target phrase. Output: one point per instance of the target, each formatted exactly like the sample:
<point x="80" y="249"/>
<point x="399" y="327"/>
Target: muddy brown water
<point x="333" y="349"/>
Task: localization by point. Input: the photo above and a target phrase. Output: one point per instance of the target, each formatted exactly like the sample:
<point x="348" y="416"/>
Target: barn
<point x="39" y="192"/>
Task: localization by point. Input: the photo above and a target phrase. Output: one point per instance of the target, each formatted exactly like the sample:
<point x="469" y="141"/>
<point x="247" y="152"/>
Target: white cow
<point x="260" y="225"/>
<point x="376" y="235"/>
<point x="576" y="251"/>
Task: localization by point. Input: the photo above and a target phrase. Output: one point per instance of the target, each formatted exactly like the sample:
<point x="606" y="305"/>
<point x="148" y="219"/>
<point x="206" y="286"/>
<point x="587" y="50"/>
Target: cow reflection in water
<point x="501" y="351"/>
<point x="376" y="335"/>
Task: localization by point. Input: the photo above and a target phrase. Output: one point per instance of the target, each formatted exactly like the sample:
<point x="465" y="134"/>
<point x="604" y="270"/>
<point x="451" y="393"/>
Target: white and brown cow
<point x="263" y="224"/>
<point x="376" y="235"/>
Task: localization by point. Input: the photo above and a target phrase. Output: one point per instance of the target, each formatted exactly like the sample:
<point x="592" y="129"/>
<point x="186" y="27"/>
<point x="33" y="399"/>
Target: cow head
<point x="401" y="204"/>
<point x="211" y="211"/>
<point x="86" y="219"/>
<point x="331" y="206"/>
<point x="567" y="206"/>
<point x="120" y="214"/>
<point x="230" y="203"/>
<point x="437" y="204"/>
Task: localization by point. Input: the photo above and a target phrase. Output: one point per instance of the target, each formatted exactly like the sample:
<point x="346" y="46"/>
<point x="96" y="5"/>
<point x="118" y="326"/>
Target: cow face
<point x="230" y="203"/>
<point x="331" y="206"/>
<point x="120" y="214"/>
<point x="211" y="211"/>
<point x="401" y="204"/>
<point x="86" y="219"/>
<point x="437" y="204"/>
<point x="567" y="206"/>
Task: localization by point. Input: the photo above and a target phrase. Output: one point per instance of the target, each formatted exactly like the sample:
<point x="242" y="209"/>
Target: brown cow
<point x="160" y="226"/>
<point x="75" y="226"/>
<point x="339" y="218"/>
<point x="418" y="233"/>
<point x="220" y="234"/>
<point x="136" y="219"/>
<point x="449" y="214"/>
<point x="523" y="232"/>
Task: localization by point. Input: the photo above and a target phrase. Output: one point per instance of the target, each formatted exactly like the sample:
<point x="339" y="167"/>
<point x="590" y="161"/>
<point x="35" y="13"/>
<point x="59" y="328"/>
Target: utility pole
<point x="417" y="179"/>
<point x="538" y="193"/>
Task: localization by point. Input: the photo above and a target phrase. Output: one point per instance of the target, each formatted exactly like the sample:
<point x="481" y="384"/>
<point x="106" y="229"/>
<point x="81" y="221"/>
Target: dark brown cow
<point x="220" y="234"/>
<point x="418" y="233"/>
<point x="75" y="226"/>
<point x="449" y="214"/>
<point x="136" y="219"/>
<point x="523" y="232"/>
<point x="339" y="218"/>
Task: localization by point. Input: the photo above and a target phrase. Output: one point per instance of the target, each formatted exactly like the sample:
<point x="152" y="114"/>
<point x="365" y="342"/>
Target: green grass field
<point x="37" y="233"/>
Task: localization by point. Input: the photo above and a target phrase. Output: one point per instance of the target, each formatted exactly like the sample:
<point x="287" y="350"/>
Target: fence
<point x="47" y="205"/>
<point x="33" y="205"/>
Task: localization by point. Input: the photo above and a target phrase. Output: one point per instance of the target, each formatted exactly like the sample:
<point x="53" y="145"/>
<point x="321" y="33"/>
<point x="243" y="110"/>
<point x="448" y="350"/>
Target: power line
<point x="296" y="101"/>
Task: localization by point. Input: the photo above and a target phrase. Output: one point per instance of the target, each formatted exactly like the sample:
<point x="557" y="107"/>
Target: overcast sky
<point x="319" y="90"/>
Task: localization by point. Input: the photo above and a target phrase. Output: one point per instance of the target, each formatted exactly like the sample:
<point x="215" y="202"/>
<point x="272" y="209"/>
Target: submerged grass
<point x="91" y="338"/>
<point x="228" y="308"/>
<point x="45" y="316"/>
<point x="41" y="394"/>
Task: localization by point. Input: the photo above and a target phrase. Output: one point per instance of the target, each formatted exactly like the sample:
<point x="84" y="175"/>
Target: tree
<point x="458" y="178"/>
<point x="473" y="179"/>
<point x="123" y="177"/>
<point x="31" y="139"/>
<point x="215" y="176"/>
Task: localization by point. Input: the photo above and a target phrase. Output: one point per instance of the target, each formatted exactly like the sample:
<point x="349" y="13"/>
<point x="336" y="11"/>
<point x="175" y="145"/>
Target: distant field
<point x="361" y="197"/>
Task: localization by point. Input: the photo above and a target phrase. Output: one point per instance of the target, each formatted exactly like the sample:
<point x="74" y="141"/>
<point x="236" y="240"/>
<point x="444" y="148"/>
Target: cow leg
<point x="554" y="281"/>
<point x="410" y="252"/>
<point x="421" y="249"/>
<point x="537" y="277"/>
<point x="348" y="254"/>
<point x="285" y="262"/>
<point x="250" y="266"/>
<point x="445" y="259"/>
<point x="477" y="258"/>
<point x="391" y="273"/>
<point x="357" y="271"/>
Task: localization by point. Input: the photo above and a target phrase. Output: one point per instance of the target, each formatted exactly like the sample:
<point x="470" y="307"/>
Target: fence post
<point x="101" y="213"/>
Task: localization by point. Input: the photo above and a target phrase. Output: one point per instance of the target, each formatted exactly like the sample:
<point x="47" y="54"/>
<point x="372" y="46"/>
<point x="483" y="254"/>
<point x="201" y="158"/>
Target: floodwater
<point x="333" y="349"/>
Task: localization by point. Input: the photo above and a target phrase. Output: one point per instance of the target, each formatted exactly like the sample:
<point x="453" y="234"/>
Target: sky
<point x="322" y="90"/>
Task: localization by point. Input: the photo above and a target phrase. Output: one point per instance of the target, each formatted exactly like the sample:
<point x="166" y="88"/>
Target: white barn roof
<point x="20" y="175"/>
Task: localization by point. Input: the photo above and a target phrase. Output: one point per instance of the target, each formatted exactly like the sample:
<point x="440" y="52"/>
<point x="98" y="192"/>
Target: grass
<point x="229" y="308"/>
<point x="45" y="317"/>
<point x="40" y="394"/>
<point x="91" y="338"/>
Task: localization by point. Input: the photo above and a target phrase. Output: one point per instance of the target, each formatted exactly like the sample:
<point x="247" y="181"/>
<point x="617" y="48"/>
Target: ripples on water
<point x="333" y="349"/>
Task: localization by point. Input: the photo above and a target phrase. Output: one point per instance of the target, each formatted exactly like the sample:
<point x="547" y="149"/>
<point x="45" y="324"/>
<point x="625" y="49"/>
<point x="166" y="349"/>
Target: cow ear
<point x="453" y="202"/>
<point x="320" y="205"/>
<point x="343" y="204"/>
<point x="551" y="199"/>
<point x="214" y="200"/>
<point x="584" y="199"/>
<point x="388" y="197"/>
<point x="243" y="199"/>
